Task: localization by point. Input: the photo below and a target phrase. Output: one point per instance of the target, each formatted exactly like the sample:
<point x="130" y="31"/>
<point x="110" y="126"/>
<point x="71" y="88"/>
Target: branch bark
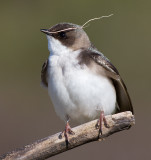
<point x="84" y="133"/>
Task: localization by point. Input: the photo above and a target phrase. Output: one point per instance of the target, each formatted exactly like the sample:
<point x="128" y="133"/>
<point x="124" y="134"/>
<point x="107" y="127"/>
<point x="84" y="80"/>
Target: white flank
<point x="74" y="90"/>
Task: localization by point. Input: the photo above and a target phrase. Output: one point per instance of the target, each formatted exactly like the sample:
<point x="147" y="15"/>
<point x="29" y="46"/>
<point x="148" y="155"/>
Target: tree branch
<point x="84" y="133"/>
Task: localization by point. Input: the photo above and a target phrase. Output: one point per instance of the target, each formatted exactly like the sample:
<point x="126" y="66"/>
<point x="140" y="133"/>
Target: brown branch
<point x="84" y="133"/>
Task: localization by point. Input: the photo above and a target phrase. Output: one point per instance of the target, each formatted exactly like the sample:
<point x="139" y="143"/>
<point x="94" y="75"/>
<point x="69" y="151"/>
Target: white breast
<point x="74" y="90"/>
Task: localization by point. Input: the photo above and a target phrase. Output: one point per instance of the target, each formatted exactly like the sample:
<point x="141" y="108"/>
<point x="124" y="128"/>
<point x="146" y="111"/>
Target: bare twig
<point x="95" y="19"/>
<point x="84" y="133"/>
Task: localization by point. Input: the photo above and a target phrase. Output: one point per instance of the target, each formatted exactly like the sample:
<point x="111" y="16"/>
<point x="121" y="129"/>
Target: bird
<point x="82" y="83"/>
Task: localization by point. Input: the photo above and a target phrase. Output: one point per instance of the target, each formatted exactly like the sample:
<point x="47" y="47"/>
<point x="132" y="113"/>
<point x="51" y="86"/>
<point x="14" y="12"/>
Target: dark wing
<point x="44" y="74"/>
<point x="123" y="98"/>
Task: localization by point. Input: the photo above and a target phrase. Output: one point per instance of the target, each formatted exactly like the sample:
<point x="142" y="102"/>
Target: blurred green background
<point x="26" y="112"/>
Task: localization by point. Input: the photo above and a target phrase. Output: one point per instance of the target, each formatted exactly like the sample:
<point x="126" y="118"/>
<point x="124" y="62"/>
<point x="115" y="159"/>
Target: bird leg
<point x="100" y="122"/>
<point x="65" y="133"/>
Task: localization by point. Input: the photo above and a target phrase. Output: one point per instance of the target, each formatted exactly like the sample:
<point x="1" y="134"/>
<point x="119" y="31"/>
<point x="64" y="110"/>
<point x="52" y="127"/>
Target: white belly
<point x="77" y="92"/>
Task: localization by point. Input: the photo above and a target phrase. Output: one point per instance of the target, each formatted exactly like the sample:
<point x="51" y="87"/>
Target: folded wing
<point x="123" y="98"/>
<point x="44" y="74"/>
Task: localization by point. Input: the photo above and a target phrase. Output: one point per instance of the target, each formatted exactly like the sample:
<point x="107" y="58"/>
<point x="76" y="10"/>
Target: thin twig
<point x="67" y="29"/>
<point x="84" y="133"/>
<point x="96" y="19"/>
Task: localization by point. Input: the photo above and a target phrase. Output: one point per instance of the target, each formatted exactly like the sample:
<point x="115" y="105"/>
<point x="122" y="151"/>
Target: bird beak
<point x="45" y="31"/>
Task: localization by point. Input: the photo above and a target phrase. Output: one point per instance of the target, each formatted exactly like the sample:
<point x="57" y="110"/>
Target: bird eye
<point x="62" y="34"/>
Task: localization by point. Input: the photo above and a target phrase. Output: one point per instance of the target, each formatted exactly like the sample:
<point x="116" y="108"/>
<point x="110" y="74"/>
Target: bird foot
<point x="66" y="132"/>
<point x="100" y="123"/>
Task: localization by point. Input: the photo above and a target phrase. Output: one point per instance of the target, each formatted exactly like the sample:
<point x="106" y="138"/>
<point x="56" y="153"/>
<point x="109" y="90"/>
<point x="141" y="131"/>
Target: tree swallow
<point x="81" y="81"/>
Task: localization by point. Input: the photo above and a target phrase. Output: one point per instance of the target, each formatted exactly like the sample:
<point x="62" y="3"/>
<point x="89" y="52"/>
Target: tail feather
<point x="123" y="98"/>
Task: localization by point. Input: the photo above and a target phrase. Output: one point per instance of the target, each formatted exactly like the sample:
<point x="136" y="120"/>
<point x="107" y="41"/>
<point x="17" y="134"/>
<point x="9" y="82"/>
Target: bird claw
<point x="100" y="123"/>
<point x="65" y="133"/>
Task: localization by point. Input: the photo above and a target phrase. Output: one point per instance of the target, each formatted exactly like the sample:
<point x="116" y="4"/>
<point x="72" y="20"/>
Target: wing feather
<point x="44" y="74"/>
<point x="123" y="98"/>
